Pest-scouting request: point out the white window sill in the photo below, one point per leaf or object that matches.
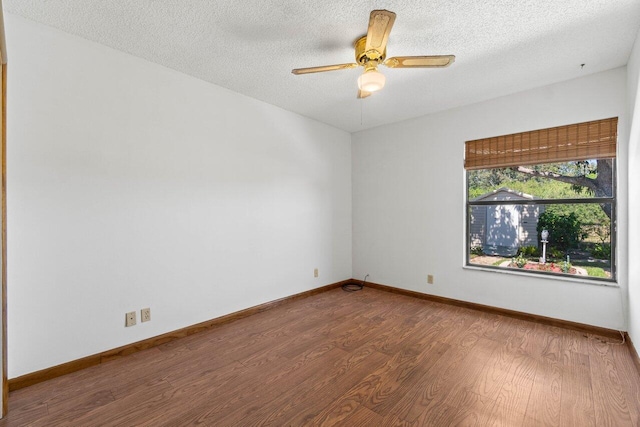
(595, 282)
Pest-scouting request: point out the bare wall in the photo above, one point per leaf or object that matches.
(409, 206)
(633, 72)
(132, 186)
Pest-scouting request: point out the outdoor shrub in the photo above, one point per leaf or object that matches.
(477, 250)
(601, 251)
(565, 231)
(554, 253)
(520, 261)
(529, 251)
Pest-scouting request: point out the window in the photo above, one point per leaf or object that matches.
(544, 201)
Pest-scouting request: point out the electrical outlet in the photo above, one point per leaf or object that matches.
(130, 319)
(315, 272)
(145, 314)
(430, 279)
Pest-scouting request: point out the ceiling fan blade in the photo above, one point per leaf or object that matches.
(363, 93)
(323, 68)
(380, 24)
(434, 61)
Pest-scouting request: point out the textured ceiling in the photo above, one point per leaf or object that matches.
(501, 46)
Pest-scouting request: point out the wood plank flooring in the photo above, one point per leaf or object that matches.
(368, 358)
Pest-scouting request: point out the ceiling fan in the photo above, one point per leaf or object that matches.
(371, 51)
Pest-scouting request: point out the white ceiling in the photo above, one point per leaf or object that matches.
(501, 46)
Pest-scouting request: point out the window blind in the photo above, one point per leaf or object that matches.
(582, 141)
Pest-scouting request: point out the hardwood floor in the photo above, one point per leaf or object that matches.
(369, 358)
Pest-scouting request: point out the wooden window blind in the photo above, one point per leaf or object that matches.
(581, 141)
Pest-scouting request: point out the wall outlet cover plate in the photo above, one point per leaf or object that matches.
(130, 319)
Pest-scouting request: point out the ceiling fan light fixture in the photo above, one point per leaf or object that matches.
(371, 80)
(371, 51)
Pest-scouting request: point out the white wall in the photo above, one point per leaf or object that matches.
(409, 207)
(132, 186)
(633, 73)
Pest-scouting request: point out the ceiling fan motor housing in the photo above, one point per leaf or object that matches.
(362, 56)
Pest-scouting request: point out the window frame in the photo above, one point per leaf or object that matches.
(533, 202)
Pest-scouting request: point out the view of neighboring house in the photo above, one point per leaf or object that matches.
(503, 229)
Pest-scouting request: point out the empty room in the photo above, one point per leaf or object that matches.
(284, 213)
